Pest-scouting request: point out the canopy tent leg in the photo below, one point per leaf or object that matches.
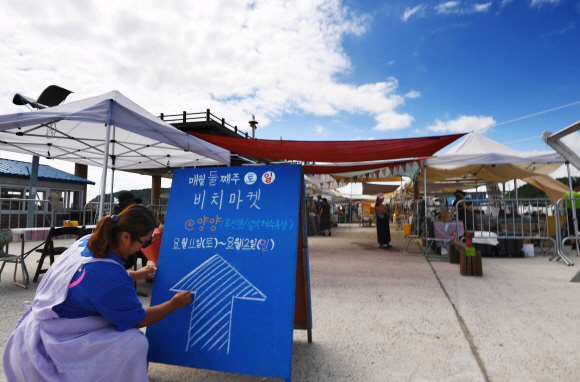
(416, 200)
(112, 201)
(104, 176)
(573, 205)
(425, 193)
(350, 207)
(516, 191)
(32, 192)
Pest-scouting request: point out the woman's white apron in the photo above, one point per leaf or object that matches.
(44, 347)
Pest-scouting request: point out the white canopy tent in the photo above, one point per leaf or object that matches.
(478, 158)
(107, 126)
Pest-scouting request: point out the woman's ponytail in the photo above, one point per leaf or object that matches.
(102, 240)
(137, 220)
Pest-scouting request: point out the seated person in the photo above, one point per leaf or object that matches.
(82, 324)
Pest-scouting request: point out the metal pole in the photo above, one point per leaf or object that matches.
(425, 192)
(573, 206)
(349, 206)
(104, 176)
(473, 218)
(112, 173)
(111, 201)
(32, 191)
(516, 191)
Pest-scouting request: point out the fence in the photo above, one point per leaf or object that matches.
(570, 222)
(503, 220)
(91, 212)
(14, 213)
(206, 116)
(540, 221)
(92, 209)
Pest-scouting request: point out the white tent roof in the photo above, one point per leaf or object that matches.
(76, 132)
(477, 149)
(480, 158)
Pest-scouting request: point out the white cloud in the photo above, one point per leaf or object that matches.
(463, 124)
(562, 172)
(319, 129)
(447, 7)
(265, 58)
(392, 121)
(573, 141)
(413, 94)
(565, 29)
(418, 10)
(482, 7)
(457, 8)
(539, 3)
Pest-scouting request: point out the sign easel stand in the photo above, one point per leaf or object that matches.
(302, 309)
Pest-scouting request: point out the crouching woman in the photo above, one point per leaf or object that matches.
(82, 324)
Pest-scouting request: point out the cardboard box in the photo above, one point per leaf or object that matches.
(527, 229)
(552, 225)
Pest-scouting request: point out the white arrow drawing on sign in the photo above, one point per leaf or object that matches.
(214, 284)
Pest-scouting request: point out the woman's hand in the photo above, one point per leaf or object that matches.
(142, 274)
(156, 313)
(181, 299)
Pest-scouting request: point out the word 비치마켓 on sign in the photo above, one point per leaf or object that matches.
(231, 198)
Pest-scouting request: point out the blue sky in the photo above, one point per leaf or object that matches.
(312, 69)
(503, 62)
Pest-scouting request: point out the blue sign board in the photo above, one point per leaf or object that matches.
(231, 238)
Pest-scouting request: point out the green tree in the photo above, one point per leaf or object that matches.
(144, 194)
(529, 191)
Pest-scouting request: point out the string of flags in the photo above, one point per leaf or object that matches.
(409, 169)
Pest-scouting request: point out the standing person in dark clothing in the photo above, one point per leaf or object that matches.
(464, 210)
(325, 217)
(319, 204)
(383, 217)
(126, 199)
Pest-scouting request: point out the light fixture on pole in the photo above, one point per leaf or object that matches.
(253, 124)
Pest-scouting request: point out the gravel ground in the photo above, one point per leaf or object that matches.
(380, 315)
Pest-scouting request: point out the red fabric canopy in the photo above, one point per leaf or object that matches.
(337, 169)
(333, 151)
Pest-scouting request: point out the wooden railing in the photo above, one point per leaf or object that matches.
(199, 117)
